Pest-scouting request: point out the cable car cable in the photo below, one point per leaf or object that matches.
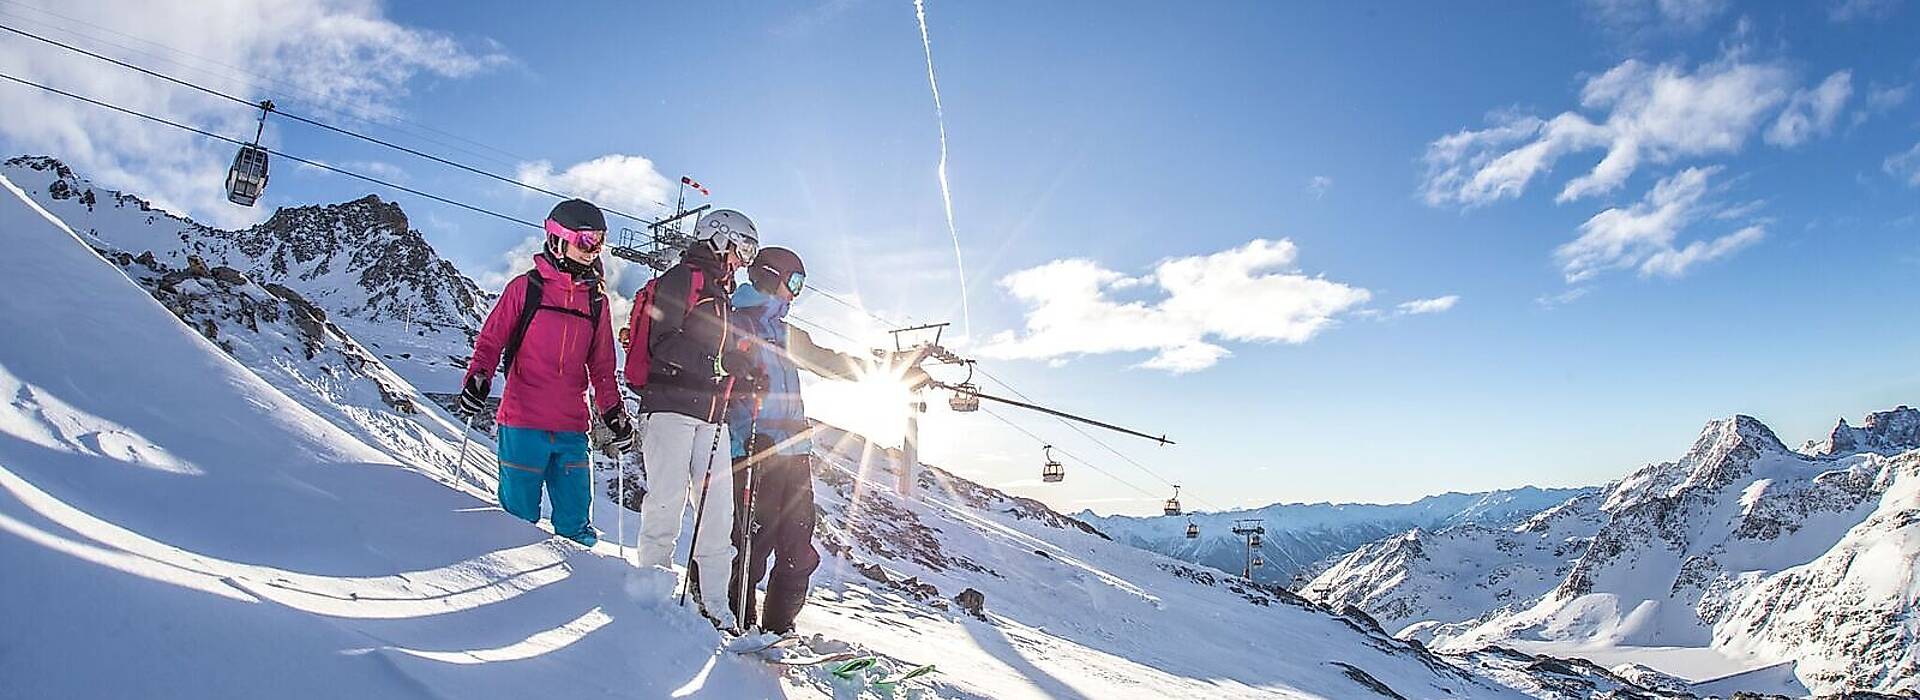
(258, 82)
(283, 154)
(1069, 455)
(305, 120)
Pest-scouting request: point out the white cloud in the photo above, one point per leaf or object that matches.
(1319, 185)
(1553, 301)
(1674, 263)
(1881, 99)
(1653, 114)
(1905, 165)
(1251, 293)
(624, 182)
(1850, 10)
(1812, 112)
(1643, 235)
(1629, 15)
(1428, 306)
(330, 55)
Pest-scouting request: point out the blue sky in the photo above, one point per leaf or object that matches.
(1210, 215)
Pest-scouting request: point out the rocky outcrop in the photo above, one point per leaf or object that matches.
(1884, 432)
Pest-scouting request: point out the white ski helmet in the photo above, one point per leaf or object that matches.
(726, 229)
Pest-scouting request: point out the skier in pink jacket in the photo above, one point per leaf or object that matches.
(553, 335)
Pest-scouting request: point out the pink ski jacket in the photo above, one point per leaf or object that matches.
(560, 353)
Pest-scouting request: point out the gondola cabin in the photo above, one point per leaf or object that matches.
(247, 179)
(1052, 471)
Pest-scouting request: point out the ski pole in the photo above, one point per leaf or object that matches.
(460, 463)
(742, 562)
(706, 481)
(620, 502)
(699, 514)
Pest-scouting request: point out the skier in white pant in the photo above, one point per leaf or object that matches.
(678, 364)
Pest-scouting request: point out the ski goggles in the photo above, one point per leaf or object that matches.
(587, 240)
(745, 247)
(796, 282)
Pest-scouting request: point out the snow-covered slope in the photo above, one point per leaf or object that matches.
(1740, 556)
(1420, 579)
(205, 490)
(175, 526)
(357, 261)
(1303, 538)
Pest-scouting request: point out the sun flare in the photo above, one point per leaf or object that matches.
(874, 406)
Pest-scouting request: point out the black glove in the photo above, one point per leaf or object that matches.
(736, 364)
(619, 426)
(754, 382)
(473, 397)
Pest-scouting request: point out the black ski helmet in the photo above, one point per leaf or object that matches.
(773, 267)
(574, 215)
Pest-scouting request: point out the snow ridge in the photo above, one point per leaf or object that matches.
(1741, 548)
(1303, 539)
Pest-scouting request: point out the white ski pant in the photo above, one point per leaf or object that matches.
(679, 452)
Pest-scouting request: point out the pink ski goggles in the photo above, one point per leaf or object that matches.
(587, 240)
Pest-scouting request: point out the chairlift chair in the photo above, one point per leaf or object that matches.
(1173, 504)
(1052, 471)
(966, 394)
(247, 179)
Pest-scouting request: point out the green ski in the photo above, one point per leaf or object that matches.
(893, 681)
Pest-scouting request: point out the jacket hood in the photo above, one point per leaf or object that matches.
(750, 297)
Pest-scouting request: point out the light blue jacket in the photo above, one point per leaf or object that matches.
(780, 415)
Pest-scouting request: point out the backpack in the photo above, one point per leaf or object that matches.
(640, 327)
(596, 301)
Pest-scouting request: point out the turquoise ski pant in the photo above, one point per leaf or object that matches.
(530, 459)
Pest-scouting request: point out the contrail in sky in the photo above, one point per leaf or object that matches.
(946, 194)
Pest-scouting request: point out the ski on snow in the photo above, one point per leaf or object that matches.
(756, 643)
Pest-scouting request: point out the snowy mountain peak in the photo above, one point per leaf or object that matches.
(369, 239)
(1723, 454)
(1796, 567)
(359, 261)
(1738, 431)
(1884, 432)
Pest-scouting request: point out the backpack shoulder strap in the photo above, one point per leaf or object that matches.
(596, 303)
(535, 291)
